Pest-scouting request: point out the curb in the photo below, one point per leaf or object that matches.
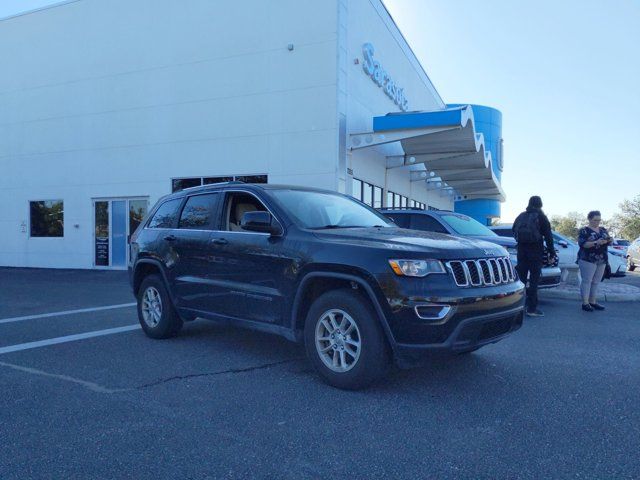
(575, 295)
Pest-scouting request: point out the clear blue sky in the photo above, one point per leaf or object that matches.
(565, 74)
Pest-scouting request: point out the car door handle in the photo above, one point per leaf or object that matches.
(219, 241)
(170, 238)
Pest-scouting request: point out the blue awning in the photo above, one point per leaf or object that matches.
(446, 142)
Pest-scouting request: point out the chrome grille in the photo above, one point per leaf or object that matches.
(482, 272)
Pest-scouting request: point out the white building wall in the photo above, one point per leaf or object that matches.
(110, 99)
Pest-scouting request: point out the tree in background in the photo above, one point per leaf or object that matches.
(628, 220)
(568, 225)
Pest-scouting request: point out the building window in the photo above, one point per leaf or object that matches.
(377, 197)
(356, 189)
(367, 193)
(251, 178)
(395, 200)
(46, 218)
(182, 183)
(211, 180)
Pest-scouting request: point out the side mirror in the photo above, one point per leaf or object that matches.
(563, 244)
(260, 222)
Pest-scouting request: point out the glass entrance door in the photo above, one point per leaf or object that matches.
(115, 221)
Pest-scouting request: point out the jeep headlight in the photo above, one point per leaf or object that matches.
(416, 268)
(512, 250)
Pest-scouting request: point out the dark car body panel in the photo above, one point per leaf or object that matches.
(259, 280)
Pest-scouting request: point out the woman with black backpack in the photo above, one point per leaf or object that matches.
(592, 259)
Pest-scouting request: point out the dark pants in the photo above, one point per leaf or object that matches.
(529, 267)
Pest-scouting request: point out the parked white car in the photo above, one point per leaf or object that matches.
(633, 255)
(621, 245)
(618, 262)
(567, 251)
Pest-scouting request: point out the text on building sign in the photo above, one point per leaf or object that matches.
(380, 76)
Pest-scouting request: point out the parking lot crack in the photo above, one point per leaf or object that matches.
(94, 387)
(216, 373)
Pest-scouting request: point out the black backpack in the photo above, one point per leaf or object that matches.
(527, 228)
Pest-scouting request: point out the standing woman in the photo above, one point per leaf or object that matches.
(592, 259)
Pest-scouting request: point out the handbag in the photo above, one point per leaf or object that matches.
(607, 272)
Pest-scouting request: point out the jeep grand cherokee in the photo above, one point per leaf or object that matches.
(321, 268)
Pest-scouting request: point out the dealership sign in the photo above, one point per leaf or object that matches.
(381, 77)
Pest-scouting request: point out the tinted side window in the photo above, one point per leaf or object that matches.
(198, 211)
(236, 206)
(427, 224)
(400, 220)
(166, 215)
(506, 232)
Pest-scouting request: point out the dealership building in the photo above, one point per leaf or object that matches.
(107, 106)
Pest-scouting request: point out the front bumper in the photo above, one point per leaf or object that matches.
(470, 334)
(474, 317)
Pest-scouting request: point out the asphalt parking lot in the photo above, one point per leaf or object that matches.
(87, 395)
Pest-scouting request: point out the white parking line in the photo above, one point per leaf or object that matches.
(68, 338)
(68, 312)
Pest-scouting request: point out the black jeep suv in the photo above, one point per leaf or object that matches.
(321, 268)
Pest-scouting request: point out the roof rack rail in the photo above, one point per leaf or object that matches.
(403, 208)
(232, 182)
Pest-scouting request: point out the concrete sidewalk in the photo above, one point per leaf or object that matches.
(609, 291)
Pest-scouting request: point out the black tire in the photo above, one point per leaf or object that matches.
(631, 266)
(169, 323)
(374, 353)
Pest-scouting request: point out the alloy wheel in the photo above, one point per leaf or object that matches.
(151, 307)
(338, 340)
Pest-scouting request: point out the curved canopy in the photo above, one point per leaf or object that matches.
(446, 142)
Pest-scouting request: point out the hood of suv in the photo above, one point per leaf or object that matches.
(433, 245)
(506, 242)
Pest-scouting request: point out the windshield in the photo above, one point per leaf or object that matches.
(463, 225)
(623, 243)
(319, 210)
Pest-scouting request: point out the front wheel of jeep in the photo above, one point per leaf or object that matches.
(344, 340)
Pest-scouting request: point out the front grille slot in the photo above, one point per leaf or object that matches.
(474, 273)
(503, 270)
(459, 273)
(486, 271)
(495, 269)
(483, 272)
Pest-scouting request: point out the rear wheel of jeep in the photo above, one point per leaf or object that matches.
(344, 340)
(630, 266)
(156, 314)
